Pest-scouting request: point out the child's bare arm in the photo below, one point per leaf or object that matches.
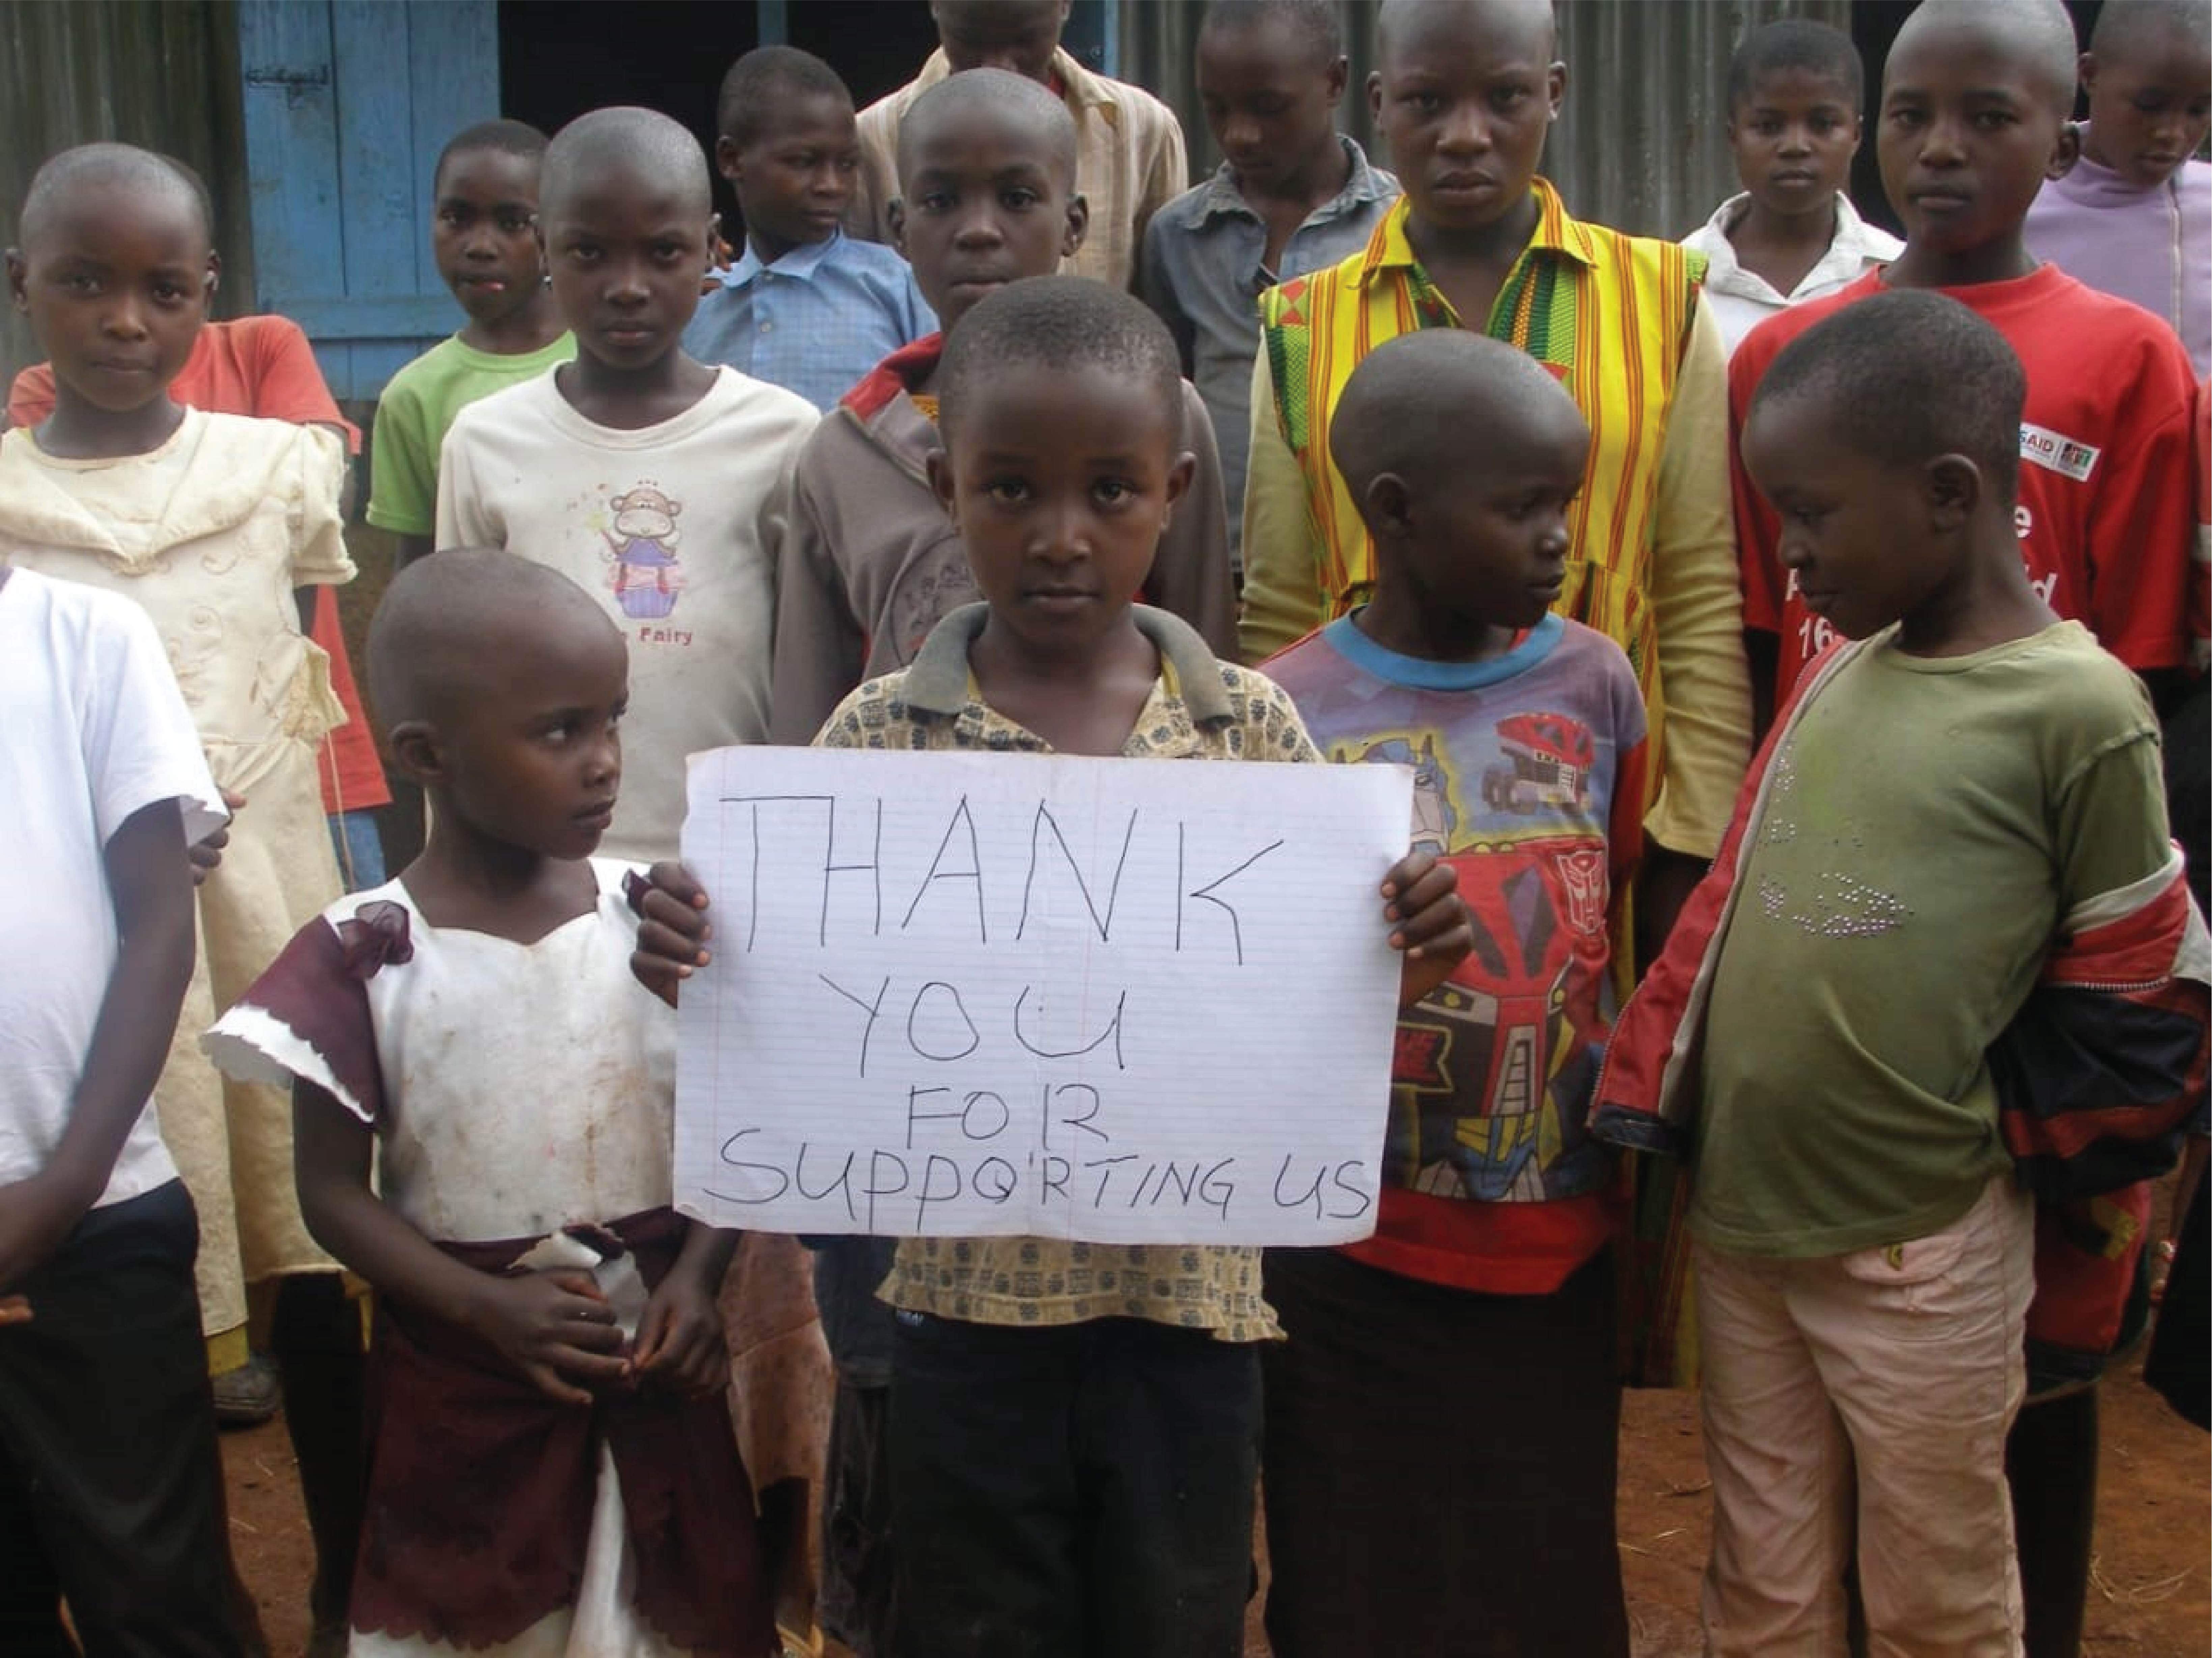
(151, 888)
(554, 1328)
(1428, 922)
(671, 930)
(679, 1340)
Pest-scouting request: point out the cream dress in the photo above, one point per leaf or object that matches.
(210, 533)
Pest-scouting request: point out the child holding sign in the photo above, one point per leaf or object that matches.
(1485, 1298)
(1073, 1426)
(547, 1333)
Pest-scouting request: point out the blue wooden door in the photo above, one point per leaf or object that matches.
(348, 103)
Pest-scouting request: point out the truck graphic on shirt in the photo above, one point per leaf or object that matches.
(1547, 763)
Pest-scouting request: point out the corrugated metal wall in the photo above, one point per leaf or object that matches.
(161, 73)
(1639, 144)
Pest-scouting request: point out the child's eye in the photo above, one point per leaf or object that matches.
(1990, 120)
(933, 201)
(513, 224)
(1006, 492)
(1112, 492)
(81, 281)
(1426, 103)
(1509, 97)
(1019, 199)
(453, 217)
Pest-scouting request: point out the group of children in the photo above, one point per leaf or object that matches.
(1548, 512)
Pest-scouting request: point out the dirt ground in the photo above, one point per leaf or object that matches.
(2150, 1594)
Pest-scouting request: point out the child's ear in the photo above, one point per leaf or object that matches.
(1954, 485)
(1389, 504)
(2065, 152)
(18, 274)
(214, 275)
(1078, 226)
(1340, 77)
(727, 161)
(415, 746)
(939, 466)
(2085, 71)
(1375, 98)
(1180, 477)
(895, 213)
(1555, 88)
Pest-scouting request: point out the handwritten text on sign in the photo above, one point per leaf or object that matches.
(1120, 1000)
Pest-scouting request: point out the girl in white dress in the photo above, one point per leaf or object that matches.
(553, 1468)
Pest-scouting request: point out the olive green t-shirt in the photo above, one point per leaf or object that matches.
(1930, 822)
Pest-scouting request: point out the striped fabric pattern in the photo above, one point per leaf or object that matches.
(1609, 314)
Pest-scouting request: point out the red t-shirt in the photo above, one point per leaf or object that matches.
(2107, 513)
(264, 366)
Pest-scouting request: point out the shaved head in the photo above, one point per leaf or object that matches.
(452, 624)
(1003, 100)
(2143, 29)
(109, 167)
(2037, 34)
(642, 142)
(1402, 24)
(1409, 408)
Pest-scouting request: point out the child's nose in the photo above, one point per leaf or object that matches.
(1465, 129)
(1944, 143)
(979, 228)
(125, 318)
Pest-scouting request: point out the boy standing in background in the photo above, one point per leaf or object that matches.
(484, 237)
(805, 306)
(988, 168)
(1464, 93)
(1291, 195)
(1130, 160)
(1794, 90)
(651, 479)
(2133, 216)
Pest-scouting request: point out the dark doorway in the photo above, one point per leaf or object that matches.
(559, 58)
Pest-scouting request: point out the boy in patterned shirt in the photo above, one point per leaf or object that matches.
(1074, 1427)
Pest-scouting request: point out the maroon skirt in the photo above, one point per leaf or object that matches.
(480, 1487)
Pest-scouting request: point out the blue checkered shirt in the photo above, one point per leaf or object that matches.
(815, 321)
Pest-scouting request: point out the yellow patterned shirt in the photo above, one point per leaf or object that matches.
(1653, 561)
(1199, 709)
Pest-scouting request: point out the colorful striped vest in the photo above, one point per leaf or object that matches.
(1608, 314)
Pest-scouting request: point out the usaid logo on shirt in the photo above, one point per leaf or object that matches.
(2056, 453)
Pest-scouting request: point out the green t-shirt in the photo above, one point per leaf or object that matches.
(1928, 823)
(418, 404)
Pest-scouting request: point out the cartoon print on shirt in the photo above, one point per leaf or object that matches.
(641, 547)
(1436, 817)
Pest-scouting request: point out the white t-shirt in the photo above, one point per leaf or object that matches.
(676, 528)
(95, 730)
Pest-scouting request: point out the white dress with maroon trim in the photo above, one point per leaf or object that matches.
(514, 1089)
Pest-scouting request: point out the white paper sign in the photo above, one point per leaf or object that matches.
(967, 994)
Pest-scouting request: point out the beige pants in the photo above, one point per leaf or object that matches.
(1887, 1379)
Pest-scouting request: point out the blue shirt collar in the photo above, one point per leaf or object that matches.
(1417, 673)
(800, 263)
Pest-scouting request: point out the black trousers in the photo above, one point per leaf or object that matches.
(1441, 1466)
(1071, 1490)
(109, 1477)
